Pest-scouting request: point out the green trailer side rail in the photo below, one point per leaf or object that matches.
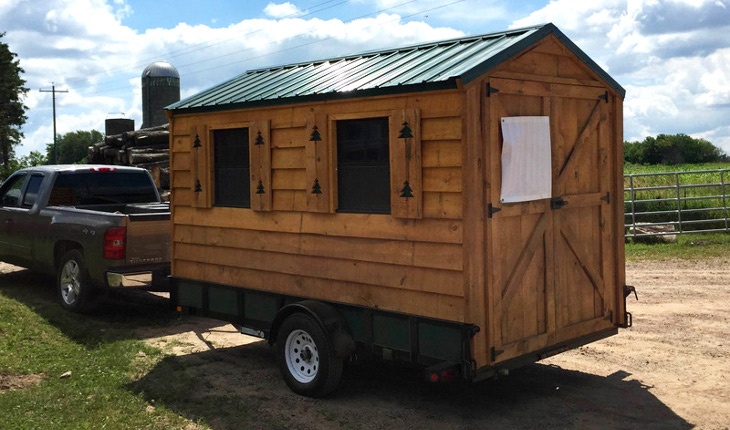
(378, 334)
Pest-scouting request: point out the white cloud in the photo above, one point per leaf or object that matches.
(282, 10)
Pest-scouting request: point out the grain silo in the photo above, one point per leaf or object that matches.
(160, 87)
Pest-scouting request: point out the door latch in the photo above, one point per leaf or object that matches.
(557, 203)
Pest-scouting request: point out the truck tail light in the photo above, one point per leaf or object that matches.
(115, 243)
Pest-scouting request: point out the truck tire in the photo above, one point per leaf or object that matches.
(307, 358)
(73, 283)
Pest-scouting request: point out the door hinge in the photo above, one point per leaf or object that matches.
(491, 210)
(491, 90)
(495, 353)
(607, 197)
(604, 96)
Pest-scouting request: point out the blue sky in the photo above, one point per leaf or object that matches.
(672, 56)
(157, 14)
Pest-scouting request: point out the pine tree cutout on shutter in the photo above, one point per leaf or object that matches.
(317, 163)
(260, 165)
(405, 168)
(316, 189)
(200, 166)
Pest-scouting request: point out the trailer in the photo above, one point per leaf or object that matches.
(456, 205)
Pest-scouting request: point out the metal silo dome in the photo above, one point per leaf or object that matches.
(160, 69)
(160, 87)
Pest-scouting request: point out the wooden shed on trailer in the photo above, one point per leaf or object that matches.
(455, 203)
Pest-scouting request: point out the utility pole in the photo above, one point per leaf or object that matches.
(54, 91)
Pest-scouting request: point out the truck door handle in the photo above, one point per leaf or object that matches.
(557, 203)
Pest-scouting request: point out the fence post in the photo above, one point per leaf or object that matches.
(724, 197)
(633, 208)
(679, 203)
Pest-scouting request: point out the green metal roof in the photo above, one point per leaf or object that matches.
(430, 66)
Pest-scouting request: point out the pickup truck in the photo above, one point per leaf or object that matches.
(95, 227)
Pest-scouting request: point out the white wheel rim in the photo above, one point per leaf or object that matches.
(70, 282)
(302, 356)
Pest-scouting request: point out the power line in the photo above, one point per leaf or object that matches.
(199, 46)
(285, 39)
(106, 90)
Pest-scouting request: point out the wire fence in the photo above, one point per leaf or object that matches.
(661, 204)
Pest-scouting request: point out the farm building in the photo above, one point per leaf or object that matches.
(458, 202)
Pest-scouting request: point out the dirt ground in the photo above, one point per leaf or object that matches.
(670, 371)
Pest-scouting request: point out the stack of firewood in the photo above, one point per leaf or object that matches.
(147, 148)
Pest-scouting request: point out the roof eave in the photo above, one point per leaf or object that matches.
(449, 84)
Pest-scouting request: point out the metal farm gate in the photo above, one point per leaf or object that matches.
(660, 204)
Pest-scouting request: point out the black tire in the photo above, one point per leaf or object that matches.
(72, 282)
(306, 356)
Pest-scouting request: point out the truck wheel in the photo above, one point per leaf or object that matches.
(74, 286)
(307, 357)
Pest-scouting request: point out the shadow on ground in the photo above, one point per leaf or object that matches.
(121, 314)
(240, 387)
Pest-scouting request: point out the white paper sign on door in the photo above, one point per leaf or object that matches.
(526, 165)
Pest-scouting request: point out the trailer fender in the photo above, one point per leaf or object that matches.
(328, 317)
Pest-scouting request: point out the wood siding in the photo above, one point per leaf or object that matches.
(410, 261)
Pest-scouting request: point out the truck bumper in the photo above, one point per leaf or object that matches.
(145, 279)
(140, 279)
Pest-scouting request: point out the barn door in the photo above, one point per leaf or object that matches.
(548, 271)
(584, 264)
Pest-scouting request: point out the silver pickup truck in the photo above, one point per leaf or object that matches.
(94, 227)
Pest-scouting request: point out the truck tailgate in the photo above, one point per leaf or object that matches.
(148, 239)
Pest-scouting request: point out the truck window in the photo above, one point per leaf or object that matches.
(10, 191)
(31, 191)
(88, 188)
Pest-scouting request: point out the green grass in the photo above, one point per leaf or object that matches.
(688, 247)
(37, 337)
(662, 168)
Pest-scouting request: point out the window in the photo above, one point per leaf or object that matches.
(232, 171)
(363, 166)
(11, 191)
(91, 188)
(31, 191)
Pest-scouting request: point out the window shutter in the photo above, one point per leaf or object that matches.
(405, 164)
(317, 163)
(201, 177)
(259, 141)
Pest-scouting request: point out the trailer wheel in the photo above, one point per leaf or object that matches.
(73, 283)
(307, 358)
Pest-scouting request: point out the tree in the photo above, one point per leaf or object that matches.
(35, 158)
(672, 149)
(73, 146)
(12, 109)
